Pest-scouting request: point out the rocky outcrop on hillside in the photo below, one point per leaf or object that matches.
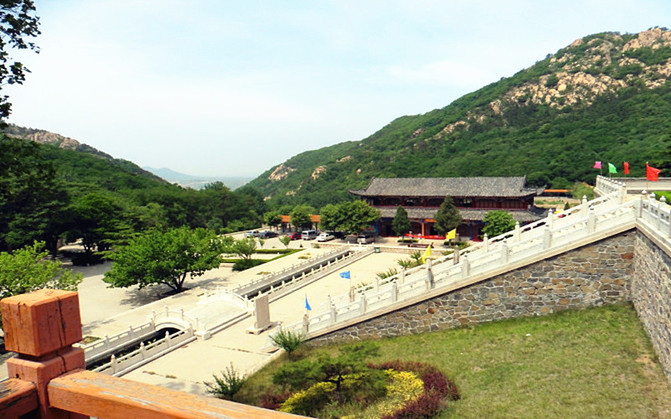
(588, 68)
(280, 173)
(546, 114)
(45, 137)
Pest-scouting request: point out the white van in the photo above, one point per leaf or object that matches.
(309, 234)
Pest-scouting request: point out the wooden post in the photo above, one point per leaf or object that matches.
(41, 327)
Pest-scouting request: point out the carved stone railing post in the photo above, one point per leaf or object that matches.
(485, 243)
(504, 252)
(591, 221)
(465, 267)
(547, 238)
(517, 233)
(429, 274)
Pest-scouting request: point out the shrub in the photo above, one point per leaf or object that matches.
(310, 401)
(243, 264)
(387, 274)
(227, 385)
(288, 340)
(270, 400)
(437, 387)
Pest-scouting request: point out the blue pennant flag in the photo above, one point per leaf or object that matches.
(344, 274)
(307, 305)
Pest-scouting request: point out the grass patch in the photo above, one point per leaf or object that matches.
(241, 264)
(660, 194)
(586, 363)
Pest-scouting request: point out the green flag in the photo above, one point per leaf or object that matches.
(611, 168)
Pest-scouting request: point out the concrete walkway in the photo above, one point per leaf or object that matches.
(186, 368)
(112, 310)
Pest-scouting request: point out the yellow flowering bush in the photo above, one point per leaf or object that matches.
(308, 401)
(403, 386)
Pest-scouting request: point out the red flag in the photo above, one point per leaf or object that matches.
(651, 173)
(626, 168)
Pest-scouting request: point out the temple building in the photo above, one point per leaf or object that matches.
(473, 196)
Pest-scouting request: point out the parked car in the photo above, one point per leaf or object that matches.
(267, 234)
(365, 238)
(324, 237)
(351, 238)
(337, 234)
(309, 234)
(294, 236)
(253, 233)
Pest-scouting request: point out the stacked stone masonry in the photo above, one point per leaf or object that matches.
(592, 275)
(651, 295)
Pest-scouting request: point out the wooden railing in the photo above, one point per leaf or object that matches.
(49, 380)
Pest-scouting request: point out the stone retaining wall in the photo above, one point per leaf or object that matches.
(592, 275)
(651, 295)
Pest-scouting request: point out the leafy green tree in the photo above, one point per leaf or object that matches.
(245, 248)
(401, 223)
(272, 218)
(95, 218)
(330, 217)
(300, 217)
(32, 201)
(357, 216)
(448, 217)
(158, 257)
(498, 222)
(17, 24)
(29, 269)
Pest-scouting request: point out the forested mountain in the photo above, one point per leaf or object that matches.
(48, 192)
(604, 97)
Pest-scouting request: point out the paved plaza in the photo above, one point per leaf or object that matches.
(107, 311)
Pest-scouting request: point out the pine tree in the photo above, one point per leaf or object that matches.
(448, 217)
(401, 223)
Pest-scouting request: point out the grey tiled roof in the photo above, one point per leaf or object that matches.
(466, 213)
(453, 186)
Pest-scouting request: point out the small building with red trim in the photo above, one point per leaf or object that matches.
(473, 196)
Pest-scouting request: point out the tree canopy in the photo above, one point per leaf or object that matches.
(18, 23)
(498, 222)
(401, 223)
(32, 201)
(300, 216)
(158, 257)
(29, 269)
(349, 217)
(448, 217)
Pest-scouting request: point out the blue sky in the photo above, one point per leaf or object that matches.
(232, 88)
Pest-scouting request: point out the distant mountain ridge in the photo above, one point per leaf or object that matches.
(604, 97)
(196, 182)
(41, 136)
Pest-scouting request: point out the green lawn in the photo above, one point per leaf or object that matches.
(575, 364)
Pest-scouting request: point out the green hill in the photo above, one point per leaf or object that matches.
(53, 187)
(604, 97)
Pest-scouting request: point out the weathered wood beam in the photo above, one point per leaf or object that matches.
(94, 394)
(17, 398)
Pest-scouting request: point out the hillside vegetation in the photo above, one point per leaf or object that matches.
(604, 97)
(49, 192)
